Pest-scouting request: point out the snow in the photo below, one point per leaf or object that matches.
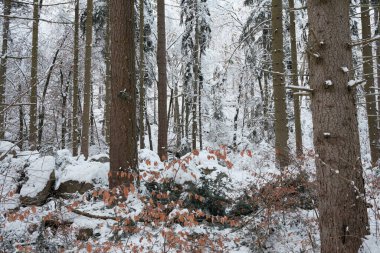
(86, 172)
(38, 175)
(6, 146)
(345, 69)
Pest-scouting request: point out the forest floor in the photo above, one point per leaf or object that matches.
(207, 201)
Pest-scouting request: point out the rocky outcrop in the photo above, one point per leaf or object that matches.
(40, 181)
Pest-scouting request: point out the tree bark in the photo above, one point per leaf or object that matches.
(20, 122)
(75, 126)
(368, 76)
(196, 53)
(87, 83)
(34, 80)
(200, 88)
(3, 63)
(64, 94)
(107, 106)
(42, 110)
(123, 125)
(296, 100)
(281, 121)
(343, 216)
(142, 76)
(177, 120)
(162, 82)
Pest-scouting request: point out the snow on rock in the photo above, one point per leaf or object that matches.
(6, 145)
(41, 178)
(101, 158)
(82, 176)
(329, 83)
(345, 69)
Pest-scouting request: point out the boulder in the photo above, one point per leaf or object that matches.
(40, 181)
(73, 186)
(81, 177)
(102, 158)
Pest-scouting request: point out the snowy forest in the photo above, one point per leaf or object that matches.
(190, 126)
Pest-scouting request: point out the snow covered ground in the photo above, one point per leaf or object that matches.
(207, 201)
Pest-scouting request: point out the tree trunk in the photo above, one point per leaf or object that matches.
(92, 118)
(281, 121)
(343, 216)
(64, 94)
(296, 101)
(148, 128)
(107, 106)
(34, 80)
(21, 121)
(42, 110)
(123, 125)
(87, 83)
(177, 121)
(75, 127)
(194, 93)
(200, 105)
(377, 60)
(162, 80)
(237, 110)
(3, 63)
(142, 76)
(368, 76)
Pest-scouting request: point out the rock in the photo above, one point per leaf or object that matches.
(9, 148)
(41, 178)
(84, 234)
(102, 158)
(81, 177)
(72, 186)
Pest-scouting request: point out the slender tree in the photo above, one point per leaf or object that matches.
(123, 125)
(87, 82)
(368, 76)
(343, 219)
(3, 63)
(34, 79)
(75, 98)
(281, 121)
(142, 76)
(107, 56)
(296, 100)
(196, 55)
(162, 82)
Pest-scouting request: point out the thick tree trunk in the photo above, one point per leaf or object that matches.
(3, 63)
(296, 100)
(281, 121)
(142, 76)
(162, 80)
(342, 210)
(75, 127)
(123, 127)
(34, 80)
(87, 83)
(368, 76)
